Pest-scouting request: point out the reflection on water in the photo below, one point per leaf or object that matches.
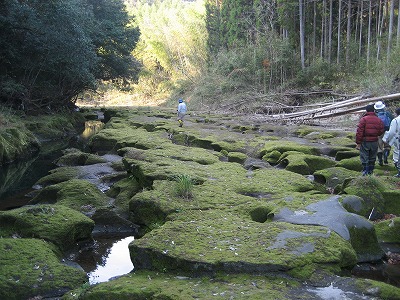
(108, 259)
(17, 178)
(91, 128)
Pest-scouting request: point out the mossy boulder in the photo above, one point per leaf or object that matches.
(57, 175)
(304, 164)
(122, 191)
(334, 176)
(237, 157)
(388, 231)
(75, 157)
(121, 136)
(77, 194)
(370, 189)
(330, 213)
(60, 225)
(216, 241)
(353, 164)
(30, 268)
(285, 146)
(345, 154)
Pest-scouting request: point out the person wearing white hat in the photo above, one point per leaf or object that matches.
(392, 137)
(386, 117)
(182, 109)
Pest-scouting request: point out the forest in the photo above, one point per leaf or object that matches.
(212, 52)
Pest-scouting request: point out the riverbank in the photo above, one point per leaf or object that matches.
(273, 210)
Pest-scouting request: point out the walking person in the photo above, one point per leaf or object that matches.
(181, 111)
(386, 117)
(369, 128)
(392, 138)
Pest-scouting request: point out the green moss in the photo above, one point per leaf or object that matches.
(302, 163)
(16, 142)
(388, 231)
(272, 157)
(58, 175)
(47, 222)
(122, 191)
(237, 157)
(365, 243)
(379, 289)
(331, 177)
(75, 157)
(224, 242)
(55, 126)
(284, 146)
(77, 194)
(353, 163)
(369, 188)
(144, 285)
(30, 268)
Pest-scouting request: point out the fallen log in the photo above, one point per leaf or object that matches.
(339, 108)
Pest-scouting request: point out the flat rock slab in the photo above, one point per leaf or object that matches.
(214, 241)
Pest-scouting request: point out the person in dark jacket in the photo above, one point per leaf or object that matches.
(369, 129)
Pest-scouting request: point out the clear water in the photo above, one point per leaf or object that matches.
(107, 259)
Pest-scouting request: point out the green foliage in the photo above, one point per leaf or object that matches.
(53, 50)
(184, 186)
(172, 44)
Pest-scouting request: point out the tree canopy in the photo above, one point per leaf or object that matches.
(53, 50)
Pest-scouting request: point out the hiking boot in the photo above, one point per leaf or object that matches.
(385, 156)
(380, 162)
(397, 175)
(370, 170)
(365, 171)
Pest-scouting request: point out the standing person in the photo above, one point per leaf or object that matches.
(369, 129)
(181, 111)
(386, 117)
(392, 138)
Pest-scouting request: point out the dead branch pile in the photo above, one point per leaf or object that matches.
(328, 110)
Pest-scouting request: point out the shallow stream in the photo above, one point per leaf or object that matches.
(108, 257)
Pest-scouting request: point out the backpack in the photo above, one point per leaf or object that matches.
(383, 115)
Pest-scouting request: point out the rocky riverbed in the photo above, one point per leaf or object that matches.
(272, 211)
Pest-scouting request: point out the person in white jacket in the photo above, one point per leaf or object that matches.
(392, 138)
(181, 111)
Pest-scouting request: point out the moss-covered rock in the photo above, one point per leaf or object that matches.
(220, 241)
(353, 163)
(145, 284)
(330, 213)
(57, 175)
(285, 146)
(60, 225)
(369, 188)
(30, 268)
(75, 157)
(237, 157)
(304, 164)
(77, 194)
(388, 231)
(332, 177)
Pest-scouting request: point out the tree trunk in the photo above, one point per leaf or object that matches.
(339, 33)
(361, 29)
(391, 17)
(398, 25)
(369, 31)
(348, 31)
(301, 17)
(330, 30)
